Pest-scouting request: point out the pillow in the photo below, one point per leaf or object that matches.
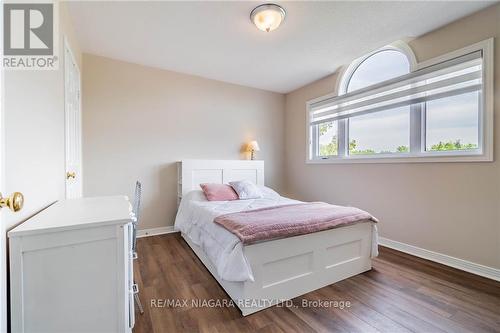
(196, 195)
(219, 192)
(246, 189)
(269, 193)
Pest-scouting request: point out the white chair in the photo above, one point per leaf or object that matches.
(135, 209)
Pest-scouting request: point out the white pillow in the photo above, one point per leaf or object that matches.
(246, 189)
(269, 193)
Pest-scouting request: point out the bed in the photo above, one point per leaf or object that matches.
(264, 274)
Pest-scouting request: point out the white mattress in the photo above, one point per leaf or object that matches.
(224, 249)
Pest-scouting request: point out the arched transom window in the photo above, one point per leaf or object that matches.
(387, 108)
(386, 131)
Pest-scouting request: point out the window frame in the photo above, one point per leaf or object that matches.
(418, 152)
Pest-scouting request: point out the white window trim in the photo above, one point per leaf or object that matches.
(486, 116)
(346, 73)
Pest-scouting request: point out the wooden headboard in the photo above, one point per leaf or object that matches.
(191, 173)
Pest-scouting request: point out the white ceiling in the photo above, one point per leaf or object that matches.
(216, 40)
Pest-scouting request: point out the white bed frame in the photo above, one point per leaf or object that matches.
(283, 268)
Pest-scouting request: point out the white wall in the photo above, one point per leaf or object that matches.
(449, 208)
(138, 121)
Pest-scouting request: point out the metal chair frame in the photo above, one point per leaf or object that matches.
(135, 209)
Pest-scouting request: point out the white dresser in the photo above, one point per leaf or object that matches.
(71, 268)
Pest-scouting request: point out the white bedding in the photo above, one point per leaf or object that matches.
(224, 249)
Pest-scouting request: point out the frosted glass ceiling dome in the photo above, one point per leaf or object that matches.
(268, 17)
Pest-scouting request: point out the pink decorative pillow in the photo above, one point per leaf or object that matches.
(219, 192)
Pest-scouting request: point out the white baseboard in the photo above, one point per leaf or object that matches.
(464, 265)
(155, 231)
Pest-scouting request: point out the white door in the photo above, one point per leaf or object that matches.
(9, 204)
(73, 125)
(32, 149)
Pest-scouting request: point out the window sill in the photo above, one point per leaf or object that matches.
(427, 158)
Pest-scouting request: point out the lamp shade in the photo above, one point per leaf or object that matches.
(253, 146)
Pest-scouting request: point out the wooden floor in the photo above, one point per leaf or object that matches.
(401, 294)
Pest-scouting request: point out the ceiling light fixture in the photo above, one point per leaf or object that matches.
(267, 17)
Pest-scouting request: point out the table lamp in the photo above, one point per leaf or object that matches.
(253, 146)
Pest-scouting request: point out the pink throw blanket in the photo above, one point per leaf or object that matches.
(289, 220)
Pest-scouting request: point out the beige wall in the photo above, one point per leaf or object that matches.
(137, 121)
(451, 208)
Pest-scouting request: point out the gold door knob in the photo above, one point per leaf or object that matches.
(15, 202)
(70, 175)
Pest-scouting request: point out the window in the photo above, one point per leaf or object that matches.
(391, 109)
(453, 123)
(327, 137)
(387, 131)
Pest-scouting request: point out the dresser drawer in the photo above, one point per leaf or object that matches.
(74, 275)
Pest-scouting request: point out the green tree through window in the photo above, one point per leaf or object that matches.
(330, 148)
(452, 145)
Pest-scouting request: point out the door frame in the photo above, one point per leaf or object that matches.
(3, 230)
(67, 47)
